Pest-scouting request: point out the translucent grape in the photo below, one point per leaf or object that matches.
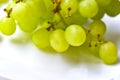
(19, 11)
(26, 21)
(69, 6)
(94, 46)
(41, 38)
(38, 7)
(28, 25)
(7, 26)
(75, 35)
(108, 53)
(88, 8)
(60, 25)
(48, 14)
(97, 28)
(104, 3)
(57, 41)
(77, 19)
(56, 18)
(113, 9)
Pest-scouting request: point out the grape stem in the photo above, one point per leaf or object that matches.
(51, 26)
(19, 1)
(8, 12)
(56, 9)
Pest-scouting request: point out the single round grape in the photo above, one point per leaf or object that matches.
(41, 38)
(26, 21)
(104, 3)
(88, 8)
(108, 53)
(97, 28)
(69, 6)
(57, 41)
(38, 7)
(7, 26)
(19, 11)
(113, 9)
(75, 35)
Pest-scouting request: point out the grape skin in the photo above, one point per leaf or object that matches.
(113, 9)
(88, 8)
(75, 35)
(25, 20)
(57, 41)
(7, 26)
(69, 6)
(104, 3)
(97, 28)
(108, 53)
(41, 38)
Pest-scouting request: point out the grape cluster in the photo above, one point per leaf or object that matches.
(60, 24)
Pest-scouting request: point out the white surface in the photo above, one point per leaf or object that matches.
(26, 62)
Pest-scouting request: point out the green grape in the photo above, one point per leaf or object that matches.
(76, 19)
(97, 28)
(69, 6)
(3, 1)
(38, 8)
(7, 26)
(104, 3)
(57, 41)
(113, 9)
(94, 45)
(75, 35)
(49, 10)
(88, 8)
(100, 14)
(26, 21)
(20, 10)
(56, 18)
(28, 24)
(41, 10)
(60, 25)
(41, 38)
(108, 53)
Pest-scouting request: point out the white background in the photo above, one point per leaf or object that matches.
(25, 62)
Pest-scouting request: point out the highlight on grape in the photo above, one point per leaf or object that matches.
(60, 24)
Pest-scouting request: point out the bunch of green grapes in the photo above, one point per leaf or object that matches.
(60, 24)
